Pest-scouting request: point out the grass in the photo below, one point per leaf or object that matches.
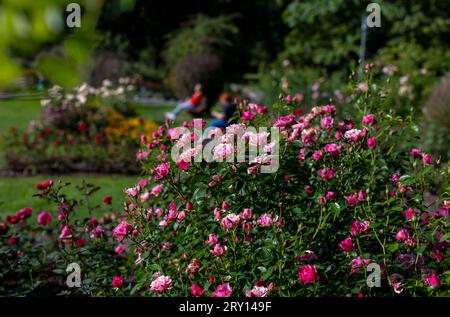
(17, 192)
(18, 113)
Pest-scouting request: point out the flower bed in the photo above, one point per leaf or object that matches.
(86, 130)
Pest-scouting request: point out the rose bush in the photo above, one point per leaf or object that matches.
(345, 202)
(37, 246)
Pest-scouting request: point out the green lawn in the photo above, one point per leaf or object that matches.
(18, 113)
(17, 192)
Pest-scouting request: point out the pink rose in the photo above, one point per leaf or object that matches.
(223, 290)
(358, 227)
(265, 221)
(132, 192)
(117, 281)
(122, 229)
(426, 158)
(351, 200)
(258, 291)
(161, 284)
(157, 190)
(397, 282)
(372, 143)
(162, 170)
(212, 239)
(230, 221)
(327, 123)
(409, 213)
(317, 155)
(247, 214)
(431, 279)
(222, 151)
(196, 290)
(44, 218)
(66, 234)
(121, 247)
(354, 135)
(415, 152)
(333, 149)
(247, 116)
(402, 235)
(307, 274)
(369, 119)
(308, 256)
(326, 173)
(218, 250)
(347, 244)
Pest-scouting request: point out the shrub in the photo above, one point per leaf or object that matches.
(345, 201)
(37, 246)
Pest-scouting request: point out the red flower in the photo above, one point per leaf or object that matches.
(307, 274)
(44, 185)
(117, 281)
(107, 200)
(196, 290)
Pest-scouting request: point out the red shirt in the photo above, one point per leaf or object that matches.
(195, 99)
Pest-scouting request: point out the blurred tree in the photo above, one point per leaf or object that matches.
(31, 28)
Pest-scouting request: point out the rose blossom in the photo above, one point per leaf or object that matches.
(44, 218)
(358, 227)
(162, 170)
(265, 221)
(230, 221)
(357, 263)
(317, 155)
(66, 234)
(333, 149)
(372, 143)
(402, 235)
(157, 190)
(426, 158)
(246, 214)
(307, 274)
(122, 230)
(196, 290)
(326, 173)
(107, 200)
(223, 290)
(416, 152)
(222, 151)
(121, 247)
(347, 244)
(160, 284)
(212, 239)
(44, 185)
(354, 135)
(258, 291)
(117, 281)
(431, 279)
(218, 250)
(327, 123)
(369, 119)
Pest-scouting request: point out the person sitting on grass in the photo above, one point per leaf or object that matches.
(188, 105)
(221, 119)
